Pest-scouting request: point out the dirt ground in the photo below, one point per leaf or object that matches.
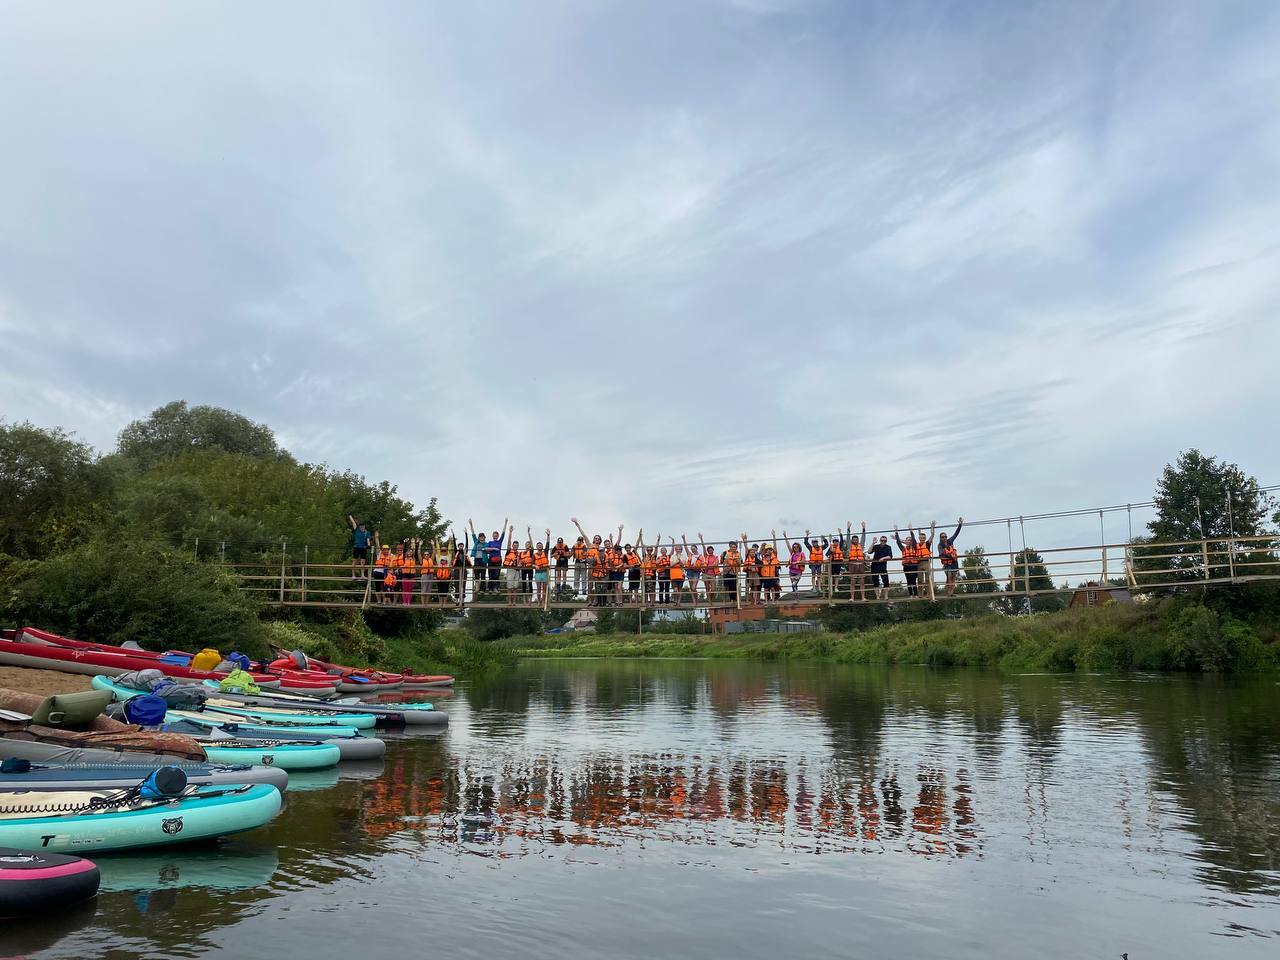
(43, 682)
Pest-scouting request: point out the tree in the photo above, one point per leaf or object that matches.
(49, 487)
(1199, 497)
(1030, 575)
(176, 428)
(976, 570)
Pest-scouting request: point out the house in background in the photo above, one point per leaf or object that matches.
(1095, 595)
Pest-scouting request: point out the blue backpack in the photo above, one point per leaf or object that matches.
(146, 710)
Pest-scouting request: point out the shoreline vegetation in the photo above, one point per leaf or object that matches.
(1174, 634)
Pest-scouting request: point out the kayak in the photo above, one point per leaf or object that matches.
(265, 715)
(285, 754)
(348, 679)
(426, 682)
(42, 650)
(212, 720)
(384, 714)
(108, 820)
(36, 883)
(121, 776)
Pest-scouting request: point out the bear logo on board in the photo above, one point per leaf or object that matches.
(268, 759)
(172, 826)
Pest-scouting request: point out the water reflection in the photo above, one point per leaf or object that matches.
(1155, 798)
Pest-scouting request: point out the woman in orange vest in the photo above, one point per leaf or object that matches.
(677, 572)
(541, 571)
(407, 572)
(817, 555)
(426, 571)
(560, 561)
(950, 558)
(581, 571)
(692, 567)
(908, 559)
(511, 567)
(730, 564)
(524, 560)
(751, 571)
(631, 562)
(710, 571)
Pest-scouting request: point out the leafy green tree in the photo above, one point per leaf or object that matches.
(50, 488)
(176, 428)
(1030, 574)
(976, 576)
(1199, 497)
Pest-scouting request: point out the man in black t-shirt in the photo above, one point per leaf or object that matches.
(881, 553)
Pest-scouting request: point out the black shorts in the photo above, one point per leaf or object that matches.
(769, 583)
(359, 553)
(615, 576)
(562, 564)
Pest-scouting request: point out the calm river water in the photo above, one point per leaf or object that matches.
(691, 809)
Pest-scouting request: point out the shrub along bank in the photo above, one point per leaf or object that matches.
(1176, 634)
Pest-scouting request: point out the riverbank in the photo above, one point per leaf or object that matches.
(1160, 635)
(42, 682)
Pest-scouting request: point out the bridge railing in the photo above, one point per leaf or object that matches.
(1138, 566)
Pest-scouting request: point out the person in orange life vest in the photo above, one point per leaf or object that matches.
(835, 563)
(710, 571)
(541, 569)
(908, 559)
(511, 566)
(730, 565)
(924, 561)
(855, 555)
(677, 572)
(581, 572)
(692, 568)
(524, 559)
(795, 564)
(950, 557)
(597, 578)
(770, 572)
(662, 571)
(458, 584)
(426, 570)
(381, 564)
(631, 561)
(560, 554)
(751, 571)
(817, 556)
(648, 570)
(408, 572)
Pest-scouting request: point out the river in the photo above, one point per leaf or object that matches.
(670, 808)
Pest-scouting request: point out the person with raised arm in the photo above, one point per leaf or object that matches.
(649, 573)
(730, 564)
(592, 561)
(795, 563)
(908, 551)
(541, 569)
(617, 570)
(677, 572)
(835, 563)
(526, 567)
(751, 571)
(924, 561)
(479, 556)
(769, 570)
(493, 558)
(581, 570)
(710, 571)
(511, 566)
(426, 570)
(881, 553)
(560, 564)
(856, 559)
(692, 568)
(817, 556)
(949, 557)
(631, 558)
(360, 540)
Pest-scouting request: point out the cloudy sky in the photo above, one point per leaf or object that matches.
(699, 264)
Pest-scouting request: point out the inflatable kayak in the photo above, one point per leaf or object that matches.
(110, 820)
(265, 715)
(42, 650)
(36, 883)
(348, 679)
(119, 776)
(211, 720)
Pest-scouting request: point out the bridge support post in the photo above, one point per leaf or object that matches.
(306, 555)
(284, 556)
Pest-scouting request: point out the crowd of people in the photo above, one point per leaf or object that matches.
(606, 571)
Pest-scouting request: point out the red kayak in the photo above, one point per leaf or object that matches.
(41, 650)
(348, 679)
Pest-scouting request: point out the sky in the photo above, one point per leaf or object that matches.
(706, 265)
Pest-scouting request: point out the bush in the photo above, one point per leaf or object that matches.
(282, 635)
(113, 592)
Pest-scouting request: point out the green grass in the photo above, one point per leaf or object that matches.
(1163, 635)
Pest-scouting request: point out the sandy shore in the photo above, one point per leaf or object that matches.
(43, 682)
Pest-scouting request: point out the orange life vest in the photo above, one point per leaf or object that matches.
(560, 551)
(510, 559)
(949, 553)
(909, 554)
(837, 552)
(579, 552)
(815, 554)
(633, 559)
(732, 560)
(428, 567)
(648, 565)
(711, 563)
(855, 551)
(525, 558)
(593, 554)
(769, 566)
(540, 560)
(677, 568)
(922, 551)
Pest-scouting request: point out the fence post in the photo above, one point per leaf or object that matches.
(197, 548)
(222, 552)
(284, 556)
(306, 555)
(1026, 563)
(1231, 543)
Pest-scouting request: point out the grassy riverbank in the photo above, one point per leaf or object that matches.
(1163, 635)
